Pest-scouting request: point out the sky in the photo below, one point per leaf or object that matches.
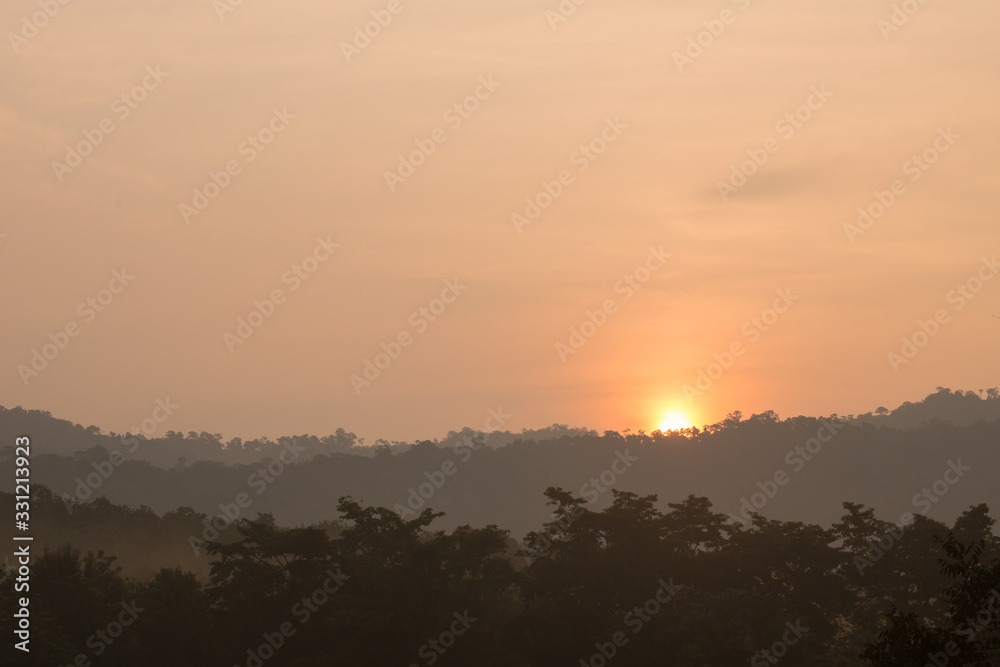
(586, 214)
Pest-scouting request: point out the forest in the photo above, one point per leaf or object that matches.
(686, 587)
(842, 541)
(882, 459)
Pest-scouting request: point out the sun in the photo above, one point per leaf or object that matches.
(675, 420)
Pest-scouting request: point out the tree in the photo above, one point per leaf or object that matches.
(174, 627)
(256, 580)
(971, 635)
(72, 598)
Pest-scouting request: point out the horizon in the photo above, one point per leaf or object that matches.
(498, 416)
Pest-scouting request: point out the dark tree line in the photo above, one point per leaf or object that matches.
(629, 583)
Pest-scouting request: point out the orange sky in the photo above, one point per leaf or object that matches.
(327, 130)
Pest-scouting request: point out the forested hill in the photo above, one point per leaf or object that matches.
(152, 439)
(798, 469)
(944, 405)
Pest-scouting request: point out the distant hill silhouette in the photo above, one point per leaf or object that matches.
(958, 407)
(59, 436)
(869, 460)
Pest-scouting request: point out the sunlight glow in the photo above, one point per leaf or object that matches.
(675, 420)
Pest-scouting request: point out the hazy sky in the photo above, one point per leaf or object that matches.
(535, 91)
